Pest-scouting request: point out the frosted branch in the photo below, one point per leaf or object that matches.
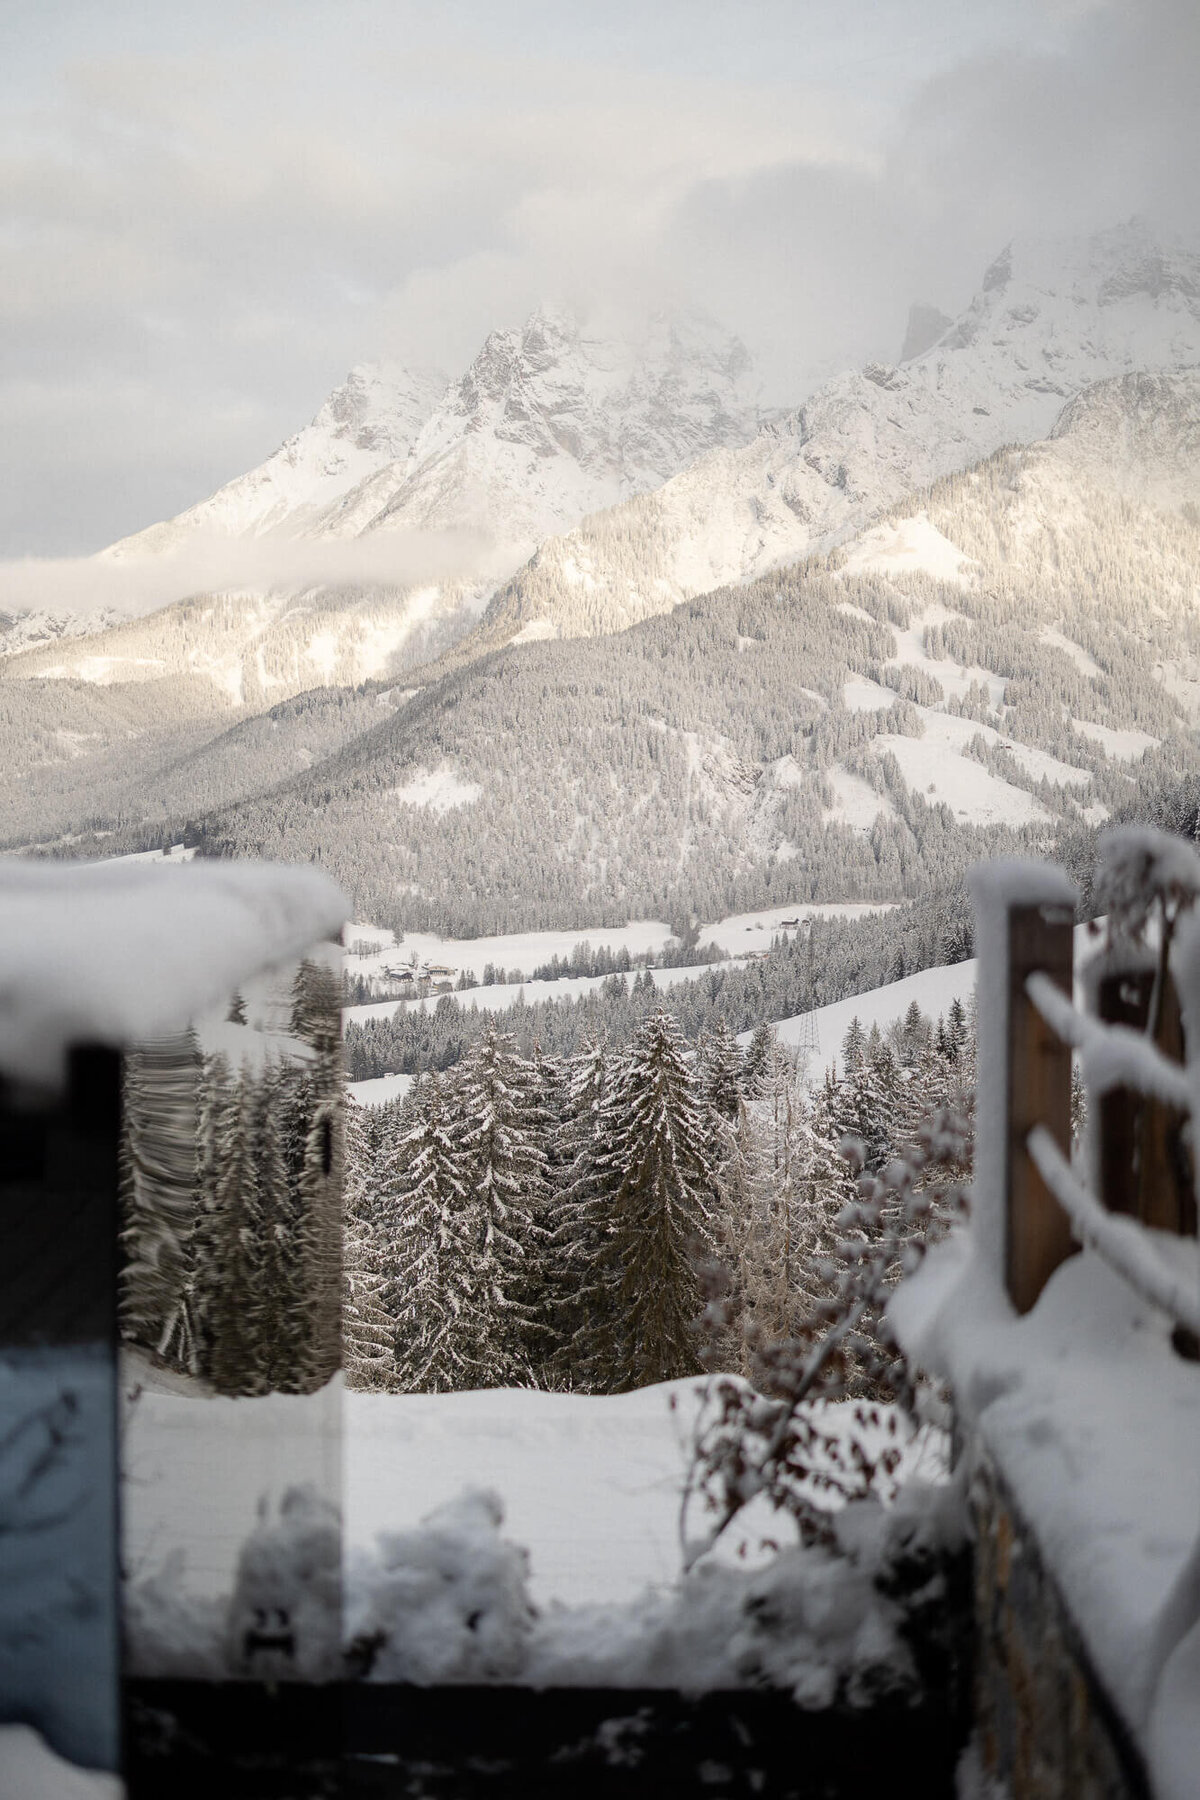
(1122, 1242)
(1113, 1055)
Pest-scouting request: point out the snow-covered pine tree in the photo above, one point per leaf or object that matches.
(158, 1197)
(548, 1116)
(215, 1100)
(320, 1242)
(757, 1054)
(659, 1192)
(368, 1332)
(581, 1222)
(720, 1070)
(235, 1359)
(316, 1021)
(281, 1322)
(745, 1191)
(430, 1252)
(504, 1172)
(795, 1235)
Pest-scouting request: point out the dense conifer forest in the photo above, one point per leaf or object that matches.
(546, 1220)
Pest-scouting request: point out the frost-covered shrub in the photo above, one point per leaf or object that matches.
(282, 1621)
(285, 1614)
(445, 1601)
(764, 1438)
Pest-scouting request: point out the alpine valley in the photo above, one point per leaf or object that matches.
(584, 636)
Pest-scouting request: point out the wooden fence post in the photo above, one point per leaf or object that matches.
(1038, 1234)
(59, 1552)
(1145, 1169)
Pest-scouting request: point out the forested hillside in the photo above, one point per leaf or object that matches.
(1050, 318)
(1016, 649)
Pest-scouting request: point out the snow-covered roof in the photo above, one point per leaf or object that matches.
(117, 952)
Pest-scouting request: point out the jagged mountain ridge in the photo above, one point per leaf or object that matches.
(1050, 318)
(1005, 653)
(549, 422)
(368, 424)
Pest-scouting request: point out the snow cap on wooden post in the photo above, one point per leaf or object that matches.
(1024, 914)
(93, 959)
(119, 953)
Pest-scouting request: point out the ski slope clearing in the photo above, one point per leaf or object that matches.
(1122, 746)
(380, 1091)
(820, 1033)
(855, 802)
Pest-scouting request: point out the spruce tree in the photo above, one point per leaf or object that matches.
(159, 1197)
(581, 1221)
(432, 1292)
(720, 1067)
(281, 1312)
(236, 1363)
(504, 1173)
(368, 1335)
(658, 1189)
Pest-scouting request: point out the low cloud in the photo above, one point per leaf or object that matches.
(200, 232)
(205, 563)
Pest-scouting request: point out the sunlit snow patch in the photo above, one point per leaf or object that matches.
(439, 789)
(855, 802)
(908, 546)
(1122, 746)
(536, 631)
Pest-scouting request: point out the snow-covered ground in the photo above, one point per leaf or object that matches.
(524, 950)
(821, 1032)
(590, 1485)
(529, 950)
(754, 931)
(1122, 746)
(379, 1089)
(1095, 1424)
(502, 995)
(30, 1770)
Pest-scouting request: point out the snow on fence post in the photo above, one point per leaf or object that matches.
(1024, 923)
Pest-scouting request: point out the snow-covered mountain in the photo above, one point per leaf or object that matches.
(308, 570)
(551, 421)
(1050, 318)
(370, 423)
(1011, 652)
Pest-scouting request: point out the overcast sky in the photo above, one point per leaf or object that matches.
(210, 212)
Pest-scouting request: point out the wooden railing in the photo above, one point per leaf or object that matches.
(1037, 1203)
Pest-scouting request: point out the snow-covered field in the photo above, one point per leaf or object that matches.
(821, 1032)
(590, 1485)
(529, 950)
(524, 950)
(501, 995)
(379, 1090)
